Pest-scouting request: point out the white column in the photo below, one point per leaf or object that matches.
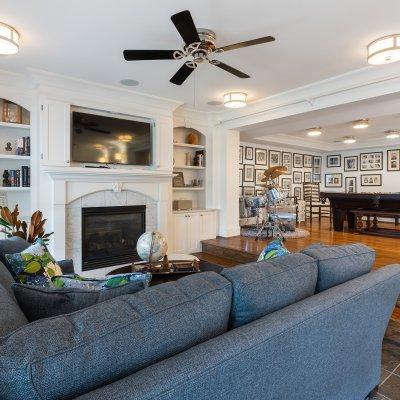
(226, 183)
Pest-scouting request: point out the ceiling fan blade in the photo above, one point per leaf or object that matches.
(231, 70)
(181, 75)
(137, 55)
(183, 22)
(253, 42)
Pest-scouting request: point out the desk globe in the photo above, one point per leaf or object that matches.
(152, 246)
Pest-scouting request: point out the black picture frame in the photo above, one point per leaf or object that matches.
(297, 192)
(288, 164)
(178, 180)
(249, 151)
(368, 156)
(345, 162)
(241, 177)
(299, 158)
(297, 177)
(346, 185)
(379, 176)
(274, 153)
(245, 168)
(250, 189)
(309, 163)
(331, 156)
(261, 151)
(260, 172)
(338, 175)
(393, 164)
(240, 154)
(307, 178)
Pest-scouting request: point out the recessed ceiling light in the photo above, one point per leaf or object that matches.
(235, 100)
(393, 134)
(384, 50)
(9, 39)
(349, 139)
(361, 124)
(129, 82)
(314, 132)
(214, 103)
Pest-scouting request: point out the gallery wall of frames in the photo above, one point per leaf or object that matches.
(366, 170)
(254, 159)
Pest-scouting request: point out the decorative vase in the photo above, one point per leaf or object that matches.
(193, 138)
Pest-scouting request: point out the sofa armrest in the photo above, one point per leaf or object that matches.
(67, 266)
(326, 346)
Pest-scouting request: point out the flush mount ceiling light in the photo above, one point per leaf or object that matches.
(361, 124)
(384, 50)
(314, 132)
(349, 139)
(9, 39)
(235, 100)
(393, 134)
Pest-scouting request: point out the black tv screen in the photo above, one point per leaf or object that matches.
(110, 140)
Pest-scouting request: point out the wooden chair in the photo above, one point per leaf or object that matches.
(314, 205)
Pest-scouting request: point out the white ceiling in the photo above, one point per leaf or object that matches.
(85, 38)
(336, 122)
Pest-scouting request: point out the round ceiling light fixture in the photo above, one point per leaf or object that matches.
(361, 124)
(129, 82)
(314, 131)
(384, 50)
(235, 100)
(392, 134)
(349, 139)
(9, 39)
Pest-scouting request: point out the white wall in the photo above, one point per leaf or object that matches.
(390, 179)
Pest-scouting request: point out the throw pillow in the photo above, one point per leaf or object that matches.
(276, 248)
(43, 302)
(34, 265)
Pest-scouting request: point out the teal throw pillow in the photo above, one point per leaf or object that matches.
(34, 265)
(276, 248)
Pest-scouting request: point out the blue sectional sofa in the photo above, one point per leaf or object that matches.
(302, 326)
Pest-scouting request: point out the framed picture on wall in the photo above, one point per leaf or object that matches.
(240, 154)
(393, 160)
(333, 161)
(371, 179)
(287, 186)
(248, 190)
(334, 180)
(297, 160)
(307, 177)
(316, 178)
(307, 161)
(350, 184)
(297, 177)
(274, 158)
(249, 153)
(350, 163)
(240, 177)
(260, 192)
(259, 175)
(297, 192)
(287, 162)
(261, 157)
(371, 161)
(248, 173)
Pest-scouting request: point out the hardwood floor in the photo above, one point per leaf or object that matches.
(236, 250)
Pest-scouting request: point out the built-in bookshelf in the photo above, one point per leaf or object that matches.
(15, 157)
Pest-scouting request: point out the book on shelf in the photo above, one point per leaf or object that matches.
(18, 177)
(23, 146)
(200, 158)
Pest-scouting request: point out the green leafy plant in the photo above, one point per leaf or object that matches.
(13, 226)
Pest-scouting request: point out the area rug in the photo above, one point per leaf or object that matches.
(252, 232)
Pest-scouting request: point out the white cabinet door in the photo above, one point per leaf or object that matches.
(208, 225)
(193, 243)
(180, 230)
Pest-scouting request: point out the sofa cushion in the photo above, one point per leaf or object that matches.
(43, 302)
(64, 356)
(338, 264)
(12, 245)
(6, 279)
(11, 316)
(263, 287)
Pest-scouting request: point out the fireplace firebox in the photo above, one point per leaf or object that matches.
(110, 234)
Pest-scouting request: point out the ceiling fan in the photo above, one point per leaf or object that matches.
(199, 47)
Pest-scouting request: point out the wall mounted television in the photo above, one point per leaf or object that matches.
(106, 138)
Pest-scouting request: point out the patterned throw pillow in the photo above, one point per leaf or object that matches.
(273, 249)
(113, 281)
(34, 265)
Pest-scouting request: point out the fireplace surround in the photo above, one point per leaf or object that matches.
(110, 234)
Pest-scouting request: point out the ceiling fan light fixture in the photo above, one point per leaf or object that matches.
(361, 124)
(9, 39)
(314, 131)
(235, 99)
(393, 134)
(384, 50)
(349, 139)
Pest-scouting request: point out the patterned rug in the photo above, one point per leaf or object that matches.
(252, 232)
